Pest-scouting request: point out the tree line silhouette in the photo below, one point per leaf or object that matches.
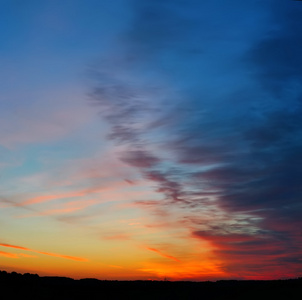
(33, 286)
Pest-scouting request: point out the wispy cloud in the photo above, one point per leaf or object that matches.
(65, 208)
(7, 254)
(46, 198)
(45, 253)
(27, 255)
(163, 254)
(117, 237)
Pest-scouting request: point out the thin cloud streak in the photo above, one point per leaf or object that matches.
(45, 253)
(224, 151)
(163, 254)
(67, 208)
(7, 254)
(47, 198)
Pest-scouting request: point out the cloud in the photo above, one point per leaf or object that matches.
(64, 256)
(16, 247)
(45, 253)
(162, 254)
(262, 254)
(66, 208)
(220, 134)
(118, 236)
(139, 158)
(117, 267)
(27, 255)
(46, 198)
(10, 255)
(15, 255)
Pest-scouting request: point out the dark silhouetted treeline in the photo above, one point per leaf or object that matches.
(31, 286)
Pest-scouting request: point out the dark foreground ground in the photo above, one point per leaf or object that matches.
(29, 286)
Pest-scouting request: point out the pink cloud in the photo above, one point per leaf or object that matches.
(70, 207)
(46, 198)
(65, 208)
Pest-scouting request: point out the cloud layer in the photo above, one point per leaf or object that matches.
(210, 112)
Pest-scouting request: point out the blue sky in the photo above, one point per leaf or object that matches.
(169, 129)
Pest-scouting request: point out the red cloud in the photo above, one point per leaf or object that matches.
(254, 256)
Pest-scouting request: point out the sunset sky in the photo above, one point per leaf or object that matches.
(151, 139)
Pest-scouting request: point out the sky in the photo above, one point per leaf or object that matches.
(151, 139)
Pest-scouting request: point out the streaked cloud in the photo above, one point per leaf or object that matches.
(118, 237)
(7, 254)
(65, 208)
(162, 254)
(45, 253)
